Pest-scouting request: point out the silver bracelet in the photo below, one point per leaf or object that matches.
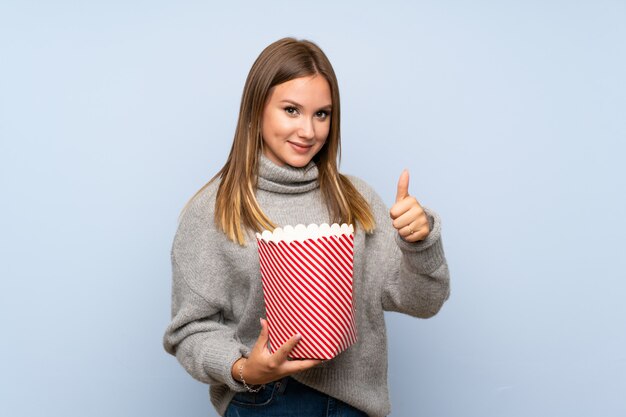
(243, 381)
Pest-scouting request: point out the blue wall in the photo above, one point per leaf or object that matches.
(509, 115)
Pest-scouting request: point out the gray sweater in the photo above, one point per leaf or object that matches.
(217, 296)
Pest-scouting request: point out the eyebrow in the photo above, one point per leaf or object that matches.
(296, 104)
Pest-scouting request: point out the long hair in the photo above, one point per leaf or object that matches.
(236, 207)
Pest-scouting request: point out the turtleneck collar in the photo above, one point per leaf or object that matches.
(286, 179)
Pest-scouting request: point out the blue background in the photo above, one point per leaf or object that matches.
(509, 115)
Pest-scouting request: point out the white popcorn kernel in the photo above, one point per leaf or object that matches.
(278, 235)
(266, 235)
(312, 231)
(300, 233)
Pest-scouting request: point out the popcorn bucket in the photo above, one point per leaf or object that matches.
(307, 288)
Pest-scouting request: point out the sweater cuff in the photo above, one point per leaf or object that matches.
(424, 256)
(220, 362)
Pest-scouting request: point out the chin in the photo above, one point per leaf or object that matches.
(299, 162)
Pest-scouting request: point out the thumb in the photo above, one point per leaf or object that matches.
(403, 186)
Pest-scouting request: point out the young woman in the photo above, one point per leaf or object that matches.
(282, 170)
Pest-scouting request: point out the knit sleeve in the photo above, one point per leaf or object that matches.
(198, 335)
(413, 275)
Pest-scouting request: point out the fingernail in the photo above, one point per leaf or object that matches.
(298, 337)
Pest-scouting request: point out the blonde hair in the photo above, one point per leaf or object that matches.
(236, 206)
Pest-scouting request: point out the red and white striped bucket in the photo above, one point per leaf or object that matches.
(307, 288)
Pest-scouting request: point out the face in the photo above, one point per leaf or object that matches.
(296, 120)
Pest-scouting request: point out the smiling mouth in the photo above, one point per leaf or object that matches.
(301, 145)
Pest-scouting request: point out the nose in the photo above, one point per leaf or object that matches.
(307, 130)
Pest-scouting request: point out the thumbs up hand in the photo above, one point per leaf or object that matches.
(409, 218)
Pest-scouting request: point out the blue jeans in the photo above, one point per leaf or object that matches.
(287, 397)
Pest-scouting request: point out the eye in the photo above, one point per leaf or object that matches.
(322, 114)
(290, 110)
